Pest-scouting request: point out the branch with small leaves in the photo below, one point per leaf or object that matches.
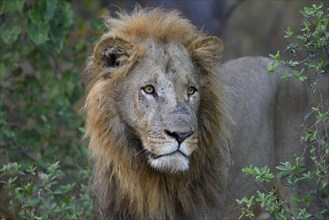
(312, 65)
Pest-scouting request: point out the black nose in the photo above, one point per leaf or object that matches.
(179, 136)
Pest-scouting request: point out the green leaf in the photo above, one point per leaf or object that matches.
(272, 67)
(276, 57)
(20, 5)
(317, 7)
(282, 174)
(307, 26)
(291, 63)
(293, 47)
(51, 7)
(67, 14)
(35, 16)
(26, 49)
(285, 75)
(302, 78)
(285, 166)
(82, 130)
(2, 69)
(308, 175)
(248, 170)
(53, 92)
(57, 35)
(301, 37)
(31, 169)
(37, 33)
(288, 32)
(9, 32)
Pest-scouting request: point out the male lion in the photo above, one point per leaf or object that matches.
(163, 119)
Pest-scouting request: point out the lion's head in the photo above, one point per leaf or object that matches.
(159, 100)
(156, 88)
(154, 107)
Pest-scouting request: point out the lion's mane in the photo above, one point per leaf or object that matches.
(125, 186)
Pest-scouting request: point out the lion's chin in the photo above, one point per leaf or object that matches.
(172, 163)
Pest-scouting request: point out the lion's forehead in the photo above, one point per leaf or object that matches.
(169, 61)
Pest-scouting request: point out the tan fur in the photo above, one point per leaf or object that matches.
(125, 185)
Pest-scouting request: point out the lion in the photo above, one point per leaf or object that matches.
(170, 128)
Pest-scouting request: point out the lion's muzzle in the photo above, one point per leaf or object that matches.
(172, 155)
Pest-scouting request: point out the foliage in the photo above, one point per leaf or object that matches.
(309, 183)
(42, 196)
(40, 61)
(39, 81)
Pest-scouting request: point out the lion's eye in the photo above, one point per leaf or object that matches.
(191, 90)
(149, 89)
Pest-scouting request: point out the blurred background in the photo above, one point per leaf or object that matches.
(247, 27)
(44, 45)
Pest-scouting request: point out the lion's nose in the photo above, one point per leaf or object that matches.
(179, 136)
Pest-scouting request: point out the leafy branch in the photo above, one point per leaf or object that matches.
(309, 60)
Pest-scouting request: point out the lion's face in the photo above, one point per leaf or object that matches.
(159, 100)
(154, 90)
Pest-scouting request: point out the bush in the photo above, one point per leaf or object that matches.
(310, 61)
(39, 81)
(41, 195)
(40, 63)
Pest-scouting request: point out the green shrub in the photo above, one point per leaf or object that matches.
(39, 81)
(310, 60)
(42, 195)
(40, 63)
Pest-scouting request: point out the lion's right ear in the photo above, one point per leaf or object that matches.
(111, 53)
(206, 52)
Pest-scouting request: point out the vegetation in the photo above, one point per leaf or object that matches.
(42, 195)
(310, 61)
(41, 61)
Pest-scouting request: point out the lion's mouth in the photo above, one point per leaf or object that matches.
(154, 156)
(172, 162)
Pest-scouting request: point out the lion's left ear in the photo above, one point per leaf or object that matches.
(111, 53)
(113, 57)
(206, 52)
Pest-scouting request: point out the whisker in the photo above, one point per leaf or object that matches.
(140, 152)
(192, 141)
(160, 141)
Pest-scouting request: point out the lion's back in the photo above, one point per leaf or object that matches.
(267, 112)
